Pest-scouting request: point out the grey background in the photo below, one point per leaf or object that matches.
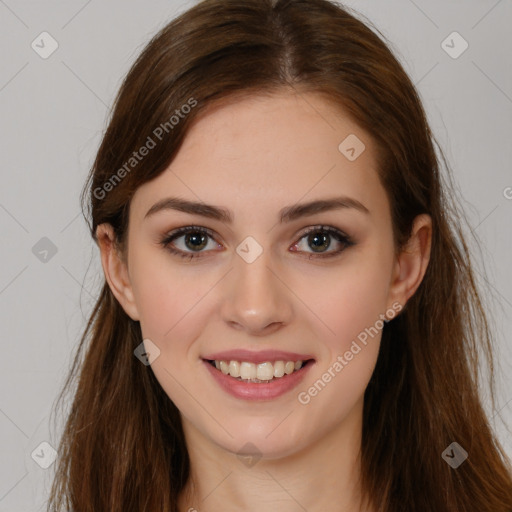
(52, 115)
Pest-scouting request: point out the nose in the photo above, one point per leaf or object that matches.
(256, 298)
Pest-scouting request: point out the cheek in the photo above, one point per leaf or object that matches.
(174, 301)
(353, 311)
(352, 303)
(167, 296)
(332, 308)
(349, 302)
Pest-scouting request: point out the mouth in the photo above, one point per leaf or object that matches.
(259, 373)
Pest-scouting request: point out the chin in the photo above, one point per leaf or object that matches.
(262, 440)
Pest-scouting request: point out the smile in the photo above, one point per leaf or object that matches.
(257, 373)
(257, 381)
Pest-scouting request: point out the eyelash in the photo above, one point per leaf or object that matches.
(336, 233)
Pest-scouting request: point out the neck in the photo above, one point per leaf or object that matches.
(324, 473)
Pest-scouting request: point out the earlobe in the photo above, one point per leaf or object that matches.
(116, 271)
(412, 262)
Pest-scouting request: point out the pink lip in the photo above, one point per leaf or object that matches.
(255, 391)
(257, 357)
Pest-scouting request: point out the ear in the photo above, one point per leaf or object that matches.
(116, 271)
(412, 262)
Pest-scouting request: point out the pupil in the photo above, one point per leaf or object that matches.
(198, 241)
(314, 238)
(197, 238)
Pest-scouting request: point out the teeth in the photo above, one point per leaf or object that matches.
(265, 371)
(234, 368)
(224, 367)
(247, 370)
(278, 369)
(262, 372)
(289, 367)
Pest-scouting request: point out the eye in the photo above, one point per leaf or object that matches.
(195, 239)
(320, 238)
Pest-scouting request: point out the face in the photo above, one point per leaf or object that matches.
(273, 282)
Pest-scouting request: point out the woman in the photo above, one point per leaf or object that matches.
(289, 318)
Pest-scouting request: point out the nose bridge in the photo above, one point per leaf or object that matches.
(257, 297)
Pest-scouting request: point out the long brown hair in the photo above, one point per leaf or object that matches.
(123, 446)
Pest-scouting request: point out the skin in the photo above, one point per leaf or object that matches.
(254, 156)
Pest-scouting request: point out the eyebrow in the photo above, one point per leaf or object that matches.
(286, 214)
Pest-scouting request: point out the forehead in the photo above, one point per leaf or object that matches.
(270, 151)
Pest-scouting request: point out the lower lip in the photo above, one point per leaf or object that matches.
(254, 391)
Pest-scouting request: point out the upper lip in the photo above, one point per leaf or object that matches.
(261, 356)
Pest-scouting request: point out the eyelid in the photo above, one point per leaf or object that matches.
(326, 228)
(337, 233)
(184, 230)
(178, 232)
